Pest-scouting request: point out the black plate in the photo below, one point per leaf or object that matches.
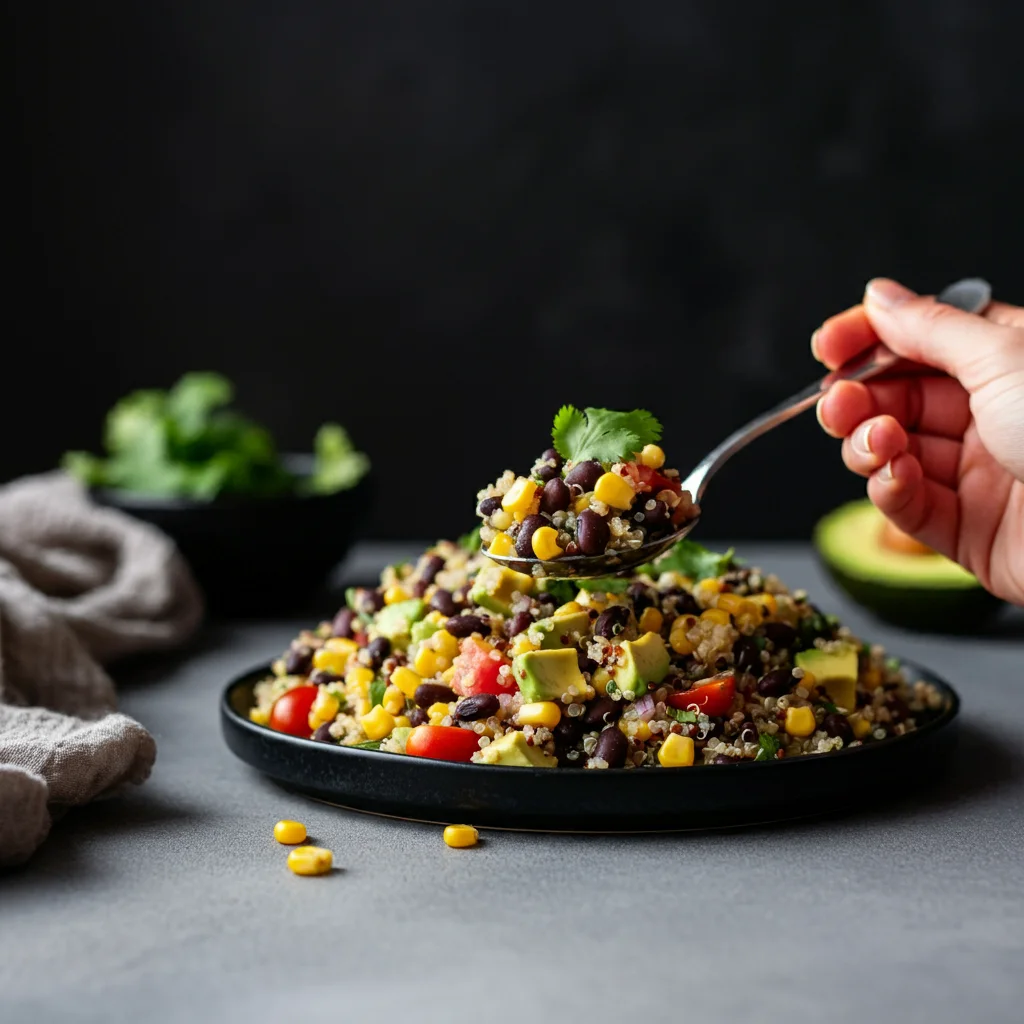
(577, 800)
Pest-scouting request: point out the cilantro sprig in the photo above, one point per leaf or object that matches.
(602, 434)
(691, 559)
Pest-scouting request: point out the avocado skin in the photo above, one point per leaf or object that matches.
(923, 609)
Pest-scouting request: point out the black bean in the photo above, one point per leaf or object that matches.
(489, 506)
(585, 475)
(443, 602)
(781, 634)
(555, 497)
(546, 473)
(323, 734)
(524, 538)
(419, 588)
(592, 532)
(298, 661)
(612, 621)
(642, 596)
(837, 725)
(612, 747)
(465, 625)
(651, 518)
(378, 649)
(344, 623)
(601, 712)
(432, 693)
(747, 654)
(748, 732)
(430, 567)
(369, 601)
(417, 716)
(519, 623)
(776, 683)
(461, 595)
(898, 708)
(585, 664)
(680, 602)
(480, 705)
(725, 759)
(320, 676)
(568, 733)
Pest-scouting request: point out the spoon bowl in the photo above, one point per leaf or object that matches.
(971, 295)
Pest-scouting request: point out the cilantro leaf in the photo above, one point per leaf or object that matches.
(560, 591)
(470, 541)
(377, 688)
(606, 584)
(602, 434)
(365, 745)
(685, 717)
(337, 465)
(691, 559)
(830, 707)
(192, 400)
(770, 746)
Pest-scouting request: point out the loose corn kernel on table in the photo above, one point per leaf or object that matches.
(174, 902)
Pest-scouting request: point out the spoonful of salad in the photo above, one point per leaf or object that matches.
(601, 501)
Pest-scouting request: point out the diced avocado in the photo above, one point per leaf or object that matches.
(395, 621)
(834, 671)
(513, 750)
(423, 629)
(643, 661)
(559, 629)
(495, 585)
(398, 737)
(547, 675)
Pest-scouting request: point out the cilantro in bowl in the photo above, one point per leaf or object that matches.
(188, 443)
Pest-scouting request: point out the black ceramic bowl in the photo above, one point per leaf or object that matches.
(577, 800)
(256, 555)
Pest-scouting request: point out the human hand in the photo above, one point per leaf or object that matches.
(941, 440)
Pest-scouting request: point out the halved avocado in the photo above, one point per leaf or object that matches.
(897, 579)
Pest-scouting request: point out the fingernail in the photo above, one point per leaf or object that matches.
(861, 438)
(885, 473)
(814, 344)
(881, 291)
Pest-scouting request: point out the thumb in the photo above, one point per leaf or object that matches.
(974, 350)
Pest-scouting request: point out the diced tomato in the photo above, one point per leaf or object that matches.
(477, 667)
(360, 638)
(645, 479)
(442, 742)
(712, 698)
(290, 712)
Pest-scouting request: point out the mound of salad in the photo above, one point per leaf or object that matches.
(602, 487)
(188, 443)
(695, 659)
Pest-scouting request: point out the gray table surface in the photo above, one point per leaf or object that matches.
(172, 902)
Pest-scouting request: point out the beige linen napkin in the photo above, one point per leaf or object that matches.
(80, 585)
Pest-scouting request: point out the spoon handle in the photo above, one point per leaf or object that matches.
(971, 295)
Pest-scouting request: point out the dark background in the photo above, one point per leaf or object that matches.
(438, 221)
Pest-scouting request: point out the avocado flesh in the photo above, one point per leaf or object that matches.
(559, 630)
(835, 673)
(495, 586)
(644, 661)
(395, 621)
(513, 750)
(548, 675)
(925, 592)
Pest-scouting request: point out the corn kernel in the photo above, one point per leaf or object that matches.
(520, 496)
(711, 585)
(680, 642)
(501, 520)
(393, 701)
(461, 836)
(290, 832)
(443, 663)
(261, 716)
(600, 680)
(872, 679)
(651, 621)
(614, 490)
(341, 643)
(652, 456)
(676, 751)
(324, 709)
(402, 722)
(800, 721)
(436, 712)
(716, 615)
(589, 600)
(502, 544)
(545, 543)
(436, 617)
(569, 608)
(729, 603)
(334, 662)
(378, 723)
(861, 727)
(767, 602)
(310, 860)
(425, 662)
(395, 593)
(582, 503)
(406, 680)
(642, 733)
(358, 678)
(521, 646)
(544, 713)
(445, 644)
(448, 675)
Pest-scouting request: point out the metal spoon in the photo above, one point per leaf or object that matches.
(971, 295)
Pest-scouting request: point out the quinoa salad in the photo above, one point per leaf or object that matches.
(602, 488)
(695, 659)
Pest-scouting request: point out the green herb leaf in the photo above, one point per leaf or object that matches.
(365, 745)
(470, 541)
(560, 591)
(769, 747)
(377, 688)
(337, 466)
(606, 584)
(829, 707)
(893, 664)
(193, 399)
(686, 717)
(691, 559)
(602, 434)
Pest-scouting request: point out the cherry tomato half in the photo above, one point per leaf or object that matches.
(442, 742)
(712, 698)
(290, 712)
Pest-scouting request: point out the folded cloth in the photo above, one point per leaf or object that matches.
(80, 585)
